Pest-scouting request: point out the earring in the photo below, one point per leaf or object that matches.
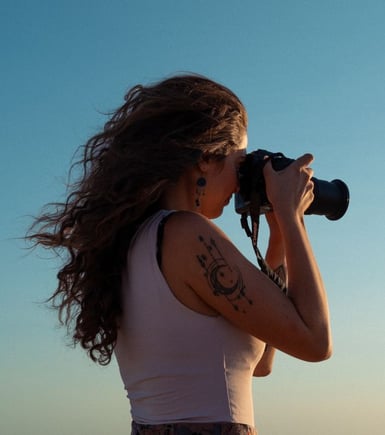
(200, 191)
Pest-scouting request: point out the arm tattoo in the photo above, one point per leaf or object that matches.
(281, 272)
(224, 279)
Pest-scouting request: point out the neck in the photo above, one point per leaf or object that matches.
(179, 196)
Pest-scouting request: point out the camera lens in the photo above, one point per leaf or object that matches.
(331, 199)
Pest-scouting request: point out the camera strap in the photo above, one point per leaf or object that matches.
(254, 212)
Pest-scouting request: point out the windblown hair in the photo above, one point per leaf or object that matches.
(148, 142)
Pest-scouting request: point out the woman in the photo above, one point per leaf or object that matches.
(151, 278)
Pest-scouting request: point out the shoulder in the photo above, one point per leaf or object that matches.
(188, 237)
(199, 254)
(186, 233)
(189, 226)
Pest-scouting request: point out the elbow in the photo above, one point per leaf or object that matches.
(327, 353)
(263, 370)
(263, 373)
(321, 356)
(326, 348)
(321, 352)
(319, 345)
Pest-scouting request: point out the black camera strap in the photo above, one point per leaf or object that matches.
(254, 211)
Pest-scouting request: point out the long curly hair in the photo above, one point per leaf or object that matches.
(147, 143)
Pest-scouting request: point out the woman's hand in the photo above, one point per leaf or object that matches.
(290, 191)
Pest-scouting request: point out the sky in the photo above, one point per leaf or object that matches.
(312, 77)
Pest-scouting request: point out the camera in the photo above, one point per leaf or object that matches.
(331, 199)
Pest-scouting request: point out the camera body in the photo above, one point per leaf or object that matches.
(331, 199)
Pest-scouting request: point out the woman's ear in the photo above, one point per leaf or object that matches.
(204, 162)
(203, 166)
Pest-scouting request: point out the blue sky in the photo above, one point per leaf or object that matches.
(312, 76)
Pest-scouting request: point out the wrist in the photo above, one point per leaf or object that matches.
(287, 219)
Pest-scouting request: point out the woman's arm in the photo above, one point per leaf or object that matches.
(211, 266)
(275, 258)
(303, 271)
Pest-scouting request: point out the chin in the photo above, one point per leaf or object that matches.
(216, 214)
(215, 211)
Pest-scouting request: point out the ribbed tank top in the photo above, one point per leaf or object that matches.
(178, 365)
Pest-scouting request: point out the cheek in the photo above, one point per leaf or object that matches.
(232, 180)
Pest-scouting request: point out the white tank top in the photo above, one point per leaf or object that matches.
(178, 365)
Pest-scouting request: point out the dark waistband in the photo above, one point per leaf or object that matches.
(225, 428)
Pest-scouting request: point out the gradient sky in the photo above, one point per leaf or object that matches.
(312, 76)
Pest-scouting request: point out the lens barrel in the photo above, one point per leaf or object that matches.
(331, 199)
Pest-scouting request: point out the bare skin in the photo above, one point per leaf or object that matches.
(212, 277)
(275, 258)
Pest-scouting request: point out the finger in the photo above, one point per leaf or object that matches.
(309, 186)
(308, 171)
(305, 160)
(309, 191)
(268, 167)
(311, 172)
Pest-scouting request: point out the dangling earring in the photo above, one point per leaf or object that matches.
(200, 191)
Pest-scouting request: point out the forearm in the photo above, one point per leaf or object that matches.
(275, 254)
(290, 192)
(275, 258)
(305, 285)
